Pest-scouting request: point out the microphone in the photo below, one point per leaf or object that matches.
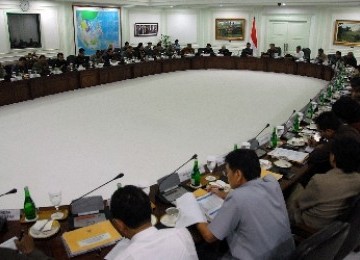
(293, 112)
(182, 165)
(267, 125)
(120, 175)
(9, 192)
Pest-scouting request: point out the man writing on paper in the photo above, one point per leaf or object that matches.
(131, 211)
(253, 218)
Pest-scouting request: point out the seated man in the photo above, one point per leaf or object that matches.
(26, 251)
(97, 57)
(273, 51)
(139, 51)
(60, 62)
(253, 217)
(224, 51)
(188, 50)
(177, 46)
(148, 49)
(208, 49)
(337, 60)
(20, 67)
(247, 52)
(107, 57)
(348, 110)
(326, 197)
(158, 49)
(131, 210)
(329, 126)
(82, 59)
(350, 60)
(299, 55)
(321, 58)
(41, 66)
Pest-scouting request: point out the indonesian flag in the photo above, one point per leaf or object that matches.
(253, 37)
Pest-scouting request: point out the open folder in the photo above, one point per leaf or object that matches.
(90, 238)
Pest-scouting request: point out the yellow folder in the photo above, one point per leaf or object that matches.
(90, 238)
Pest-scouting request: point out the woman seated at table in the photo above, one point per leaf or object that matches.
(327, 196)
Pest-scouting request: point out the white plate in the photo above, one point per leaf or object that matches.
(282, 164)
(165, 220)
(265, 164)
(45, 234)
(153, 220)
(210, 178)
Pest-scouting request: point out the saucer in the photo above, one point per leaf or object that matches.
(210, 178)
(282, 164)
(195, 187)
(165, 220)
(45, 234)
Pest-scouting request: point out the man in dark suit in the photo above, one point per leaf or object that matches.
(247, 52)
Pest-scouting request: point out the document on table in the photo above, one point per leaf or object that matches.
(190, 211)
(210, 203)
(288, 154)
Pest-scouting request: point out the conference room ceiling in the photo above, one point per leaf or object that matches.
(218, 3)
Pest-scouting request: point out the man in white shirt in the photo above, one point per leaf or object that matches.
(131, 210)
(299, 55)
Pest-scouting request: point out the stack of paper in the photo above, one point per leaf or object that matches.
(289, 155)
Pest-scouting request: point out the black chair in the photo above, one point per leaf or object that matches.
(307, 53)
(324, 244)
(278, 50)
(352, 240)
(71, 59)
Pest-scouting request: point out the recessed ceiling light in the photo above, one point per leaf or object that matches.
(283, 4)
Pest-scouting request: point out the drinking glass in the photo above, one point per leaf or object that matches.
(211, 163)
(55, 199)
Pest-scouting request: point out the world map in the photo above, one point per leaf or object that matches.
(96, 29)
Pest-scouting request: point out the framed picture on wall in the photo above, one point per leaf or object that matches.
(347, 32)
(96, 28)
(146, 29)
(232, 29)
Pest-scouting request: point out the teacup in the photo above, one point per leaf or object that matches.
(173, 214)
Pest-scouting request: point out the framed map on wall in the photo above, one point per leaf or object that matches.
(230, 29)
(347, 32)
(96, 28)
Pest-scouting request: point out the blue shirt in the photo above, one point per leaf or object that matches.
(255, 222)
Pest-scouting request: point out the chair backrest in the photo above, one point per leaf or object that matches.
(71, 58)
(353, 238)
(307, 53)
(324, 244)
(278, 50)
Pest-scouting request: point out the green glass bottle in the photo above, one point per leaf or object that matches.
(195, 175)
(235, 147)
(274, 139)
(296, 124)
(29, 205)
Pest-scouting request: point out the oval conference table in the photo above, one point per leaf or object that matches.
(22, 90)
(18, 91)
